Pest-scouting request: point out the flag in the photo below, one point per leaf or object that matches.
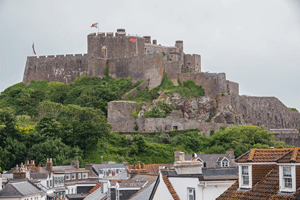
(33, 49)
(95, 25)
(132, 40)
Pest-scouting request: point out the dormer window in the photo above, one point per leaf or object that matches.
(287, 181)
(245, 176)
(225, 162)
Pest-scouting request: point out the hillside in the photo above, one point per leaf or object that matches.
(68, 121)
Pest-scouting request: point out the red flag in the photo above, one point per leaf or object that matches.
(132, 40)
(33, 49)
(95, 25)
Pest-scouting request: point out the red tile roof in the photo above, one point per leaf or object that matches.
(267, 188)
(97, 186)
(153, 168)
(285, 155)
(170, 188)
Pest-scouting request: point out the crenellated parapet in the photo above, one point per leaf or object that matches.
(62, 68)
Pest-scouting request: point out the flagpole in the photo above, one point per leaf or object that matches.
(136, 42)
(98, 27)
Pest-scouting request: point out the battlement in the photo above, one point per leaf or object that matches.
(57, 56)
(192, 55)
(116, 34)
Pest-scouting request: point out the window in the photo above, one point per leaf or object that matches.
(225, 163)
(287, 177)
(191, 194)
(68, 177)
(51, 183)
(73, 176)
(79, 175)
(175, 127)
(85, 175)
(287, 180)
(245, 175)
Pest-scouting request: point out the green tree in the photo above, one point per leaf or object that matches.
(82, 127)
(61, 153)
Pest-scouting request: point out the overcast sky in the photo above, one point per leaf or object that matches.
(255, 42)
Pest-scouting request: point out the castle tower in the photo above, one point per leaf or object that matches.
(147, 39)
(179, 45)
(116, 46)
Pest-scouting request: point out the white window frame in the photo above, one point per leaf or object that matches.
(68, 176)
(223, 161)
(73, 176)
(191, 193)
(241, 185)
(85, 175)
(282, 187)
(79, 175)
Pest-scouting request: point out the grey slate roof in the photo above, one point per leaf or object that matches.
(143, 193)
(39, 175)
(212, 160)
(96, 195)
(120, 176)
(19, 189)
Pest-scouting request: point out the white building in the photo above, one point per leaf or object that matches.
(189, 180)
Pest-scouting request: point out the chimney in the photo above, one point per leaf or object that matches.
(142, 166)
(139, 165)
(230, 153)
(89, 166)
(126, 164)
(155, 42)
(177, 155)
(49, 165)
(75, 163)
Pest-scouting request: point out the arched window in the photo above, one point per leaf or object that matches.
(104, 51)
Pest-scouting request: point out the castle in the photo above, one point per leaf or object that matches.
(140, 58)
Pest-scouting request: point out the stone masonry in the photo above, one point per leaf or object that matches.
(138, 58)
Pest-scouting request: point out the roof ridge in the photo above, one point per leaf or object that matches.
(241, 155)
(295, 153)
(16, 189)
(252, 152)
(170, 188)
(283, 155)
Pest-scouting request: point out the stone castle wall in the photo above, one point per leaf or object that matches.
(267, 111)
(149, 66)
(292, 139)
(192, 63)
(62, 68)
(214, 84)
(114, 46)
(120, 118)
(140, 60)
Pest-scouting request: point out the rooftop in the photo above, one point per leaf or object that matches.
(266, 188)
(19, 189)
(285, 155)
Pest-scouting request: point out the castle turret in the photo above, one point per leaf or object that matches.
(147, 39)
(179, 45)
